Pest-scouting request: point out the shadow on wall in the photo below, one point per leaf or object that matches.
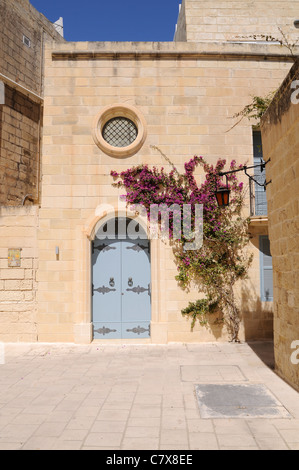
(212, 322)
(257, 319)
(257, 316)
(1, 117)
(2, 190)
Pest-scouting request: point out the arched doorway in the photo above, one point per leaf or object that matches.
(121, 280)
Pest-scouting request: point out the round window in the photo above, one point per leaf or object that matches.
(119, 130)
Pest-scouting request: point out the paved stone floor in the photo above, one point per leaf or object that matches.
(132, 397)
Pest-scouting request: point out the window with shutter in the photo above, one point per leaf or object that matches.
(266, 269)
(260, 176)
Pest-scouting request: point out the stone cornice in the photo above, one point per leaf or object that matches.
(79, 51)
(167, 55)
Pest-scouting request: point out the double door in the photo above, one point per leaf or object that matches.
(121, 289)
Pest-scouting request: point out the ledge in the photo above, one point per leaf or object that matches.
(259, 220)
(175, 55)
(20, 88)
(73, 51)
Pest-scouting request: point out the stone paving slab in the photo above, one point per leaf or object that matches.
(212, 373)
(140, 397)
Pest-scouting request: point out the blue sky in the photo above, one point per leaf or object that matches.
(113, 20)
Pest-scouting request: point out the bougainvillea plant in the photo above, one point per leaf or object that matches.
(222, 259)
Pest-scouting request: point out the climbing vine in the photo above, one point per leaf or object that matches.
(282, 40)
(259, 104)
(255, 109)
(221, 261)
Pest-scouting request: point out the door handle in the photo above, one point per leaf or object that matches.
(130, 282)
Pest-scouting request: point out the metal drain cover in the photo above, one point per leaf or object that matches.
(238, 401)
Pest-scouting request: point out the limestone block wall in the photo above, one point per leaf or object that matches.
(21, 63)
(19, 147)
(280, 134)
(225, 20)
(18, 287)
(21, 69)
(187, 101)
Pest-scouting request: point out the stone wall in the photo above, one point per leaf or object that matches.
(21, 83)
(21, 69)
(280, 134)
(19, 147)
(226, 20)
(19, 62)
(18, 287)
(187, 95)
(187, 101)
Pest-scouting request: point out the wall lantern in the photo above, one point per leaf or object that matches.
(222, 194)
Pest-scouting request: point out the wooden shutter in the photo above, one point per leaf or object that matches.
(260, 193)
(266, 269)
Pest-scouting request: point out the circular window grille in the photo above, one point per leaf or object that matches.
(120, 132)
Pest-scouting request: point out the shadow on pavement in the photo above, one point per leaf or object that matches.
(265, 351)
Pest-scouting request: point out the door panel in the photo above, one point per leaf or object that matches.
(106, 281)
(136, 330)
(136, 301)
(107, 330)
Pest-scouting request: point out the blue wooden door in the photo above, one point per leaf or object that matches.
(121, 295)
